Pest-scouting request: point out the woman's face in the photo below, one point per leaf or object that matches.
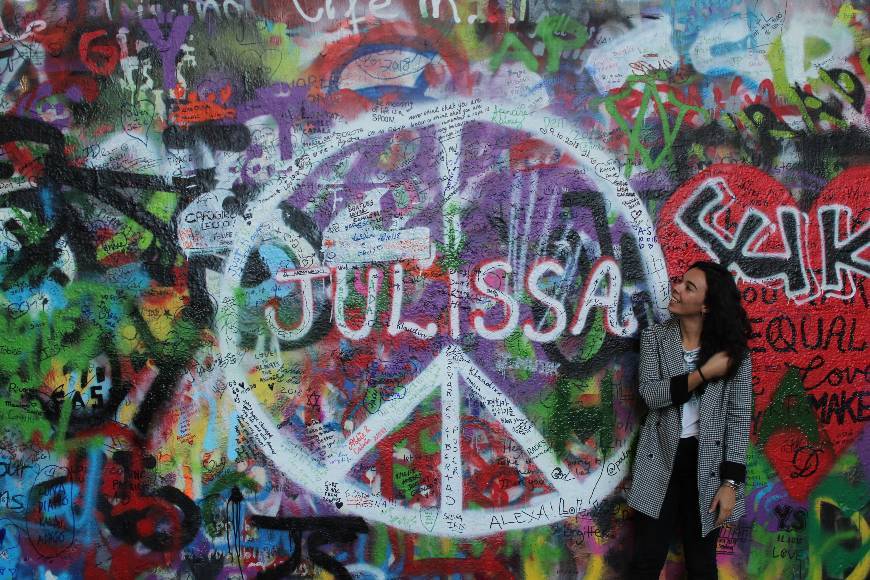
(688, 293)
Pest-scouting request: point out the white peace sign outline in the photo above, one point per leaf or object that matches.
(444, 371)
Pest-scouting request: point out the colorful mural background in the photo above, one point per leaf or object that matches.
(354, 288)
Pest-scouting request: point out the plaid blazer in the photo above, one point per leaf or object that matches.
(723, 434)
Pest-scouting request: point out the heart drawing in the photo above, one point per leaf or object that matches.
(801, 264)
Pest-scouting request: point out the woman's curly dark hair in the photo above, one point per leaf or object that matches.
(726, 325)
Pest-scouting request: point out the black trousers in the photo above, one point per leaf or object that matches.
(680, 508)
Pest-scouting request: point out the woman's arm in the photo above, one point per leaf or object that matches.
(738, 420)
(658, 391)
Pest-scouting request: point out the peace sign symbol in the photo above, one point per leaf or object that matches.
(397, 201)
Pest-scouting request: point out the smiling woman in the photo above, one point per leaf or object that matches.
(696, 379)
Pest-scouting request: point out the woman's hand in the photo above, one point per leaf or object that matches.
(717, 365)
(725, 499)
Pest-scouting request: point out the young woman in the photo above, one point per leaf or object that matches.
(696, 378)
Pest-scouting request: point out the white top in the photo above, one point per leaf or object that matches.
(690, 407)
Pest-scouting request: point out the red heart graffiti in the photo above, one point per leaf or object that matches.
(801, 274)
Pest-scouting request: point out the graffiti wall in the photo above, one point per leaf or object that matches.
(346, 288)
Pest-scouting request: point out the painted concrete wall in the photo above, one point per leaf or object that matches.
(354, 288)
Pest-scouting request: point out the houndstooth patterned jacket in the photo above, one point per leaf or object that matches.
(725, 418)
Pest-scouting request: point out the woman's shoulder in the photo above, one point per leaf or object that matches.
(659, 328)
